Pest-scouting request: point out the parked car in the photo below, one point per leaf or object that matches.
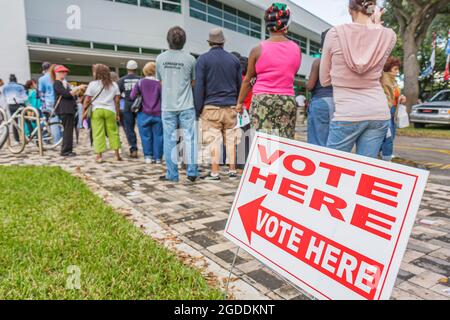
(435, 111)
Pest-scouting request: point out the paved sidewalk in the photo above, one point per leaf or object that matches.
(190, 218)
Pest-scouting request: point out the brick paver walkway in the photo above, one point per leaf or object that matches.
(190, 218)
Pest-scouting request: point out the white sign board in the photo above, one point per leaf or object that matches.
(335, 224)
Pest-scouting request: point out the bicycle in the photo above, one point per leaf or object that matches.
(18, 141)
(11, 132)
(49, 127)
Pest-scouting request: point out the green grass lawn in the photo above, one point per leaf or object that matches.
(50, 221)
(430, 131)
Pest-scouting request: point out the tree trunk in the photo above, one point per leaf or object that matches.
(411, 68)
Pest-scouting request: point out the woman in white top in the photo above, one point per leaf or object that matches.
(103, 95)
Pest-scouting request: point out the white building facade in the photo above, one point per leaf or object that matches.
(79, 33)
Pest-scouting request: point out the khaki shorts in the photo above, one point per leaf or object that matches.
(218, 128)
(219, 123)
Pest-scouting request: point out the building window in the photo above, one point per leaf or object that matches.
(92, 45)
(167, 5)
(70, 43)
(223, 15)
(128, 49)
(173, 6)
(104, 46)
(151, 51)
(151, 4)
(134, 2)
(36, 39)
(314, 48)
(301, 41)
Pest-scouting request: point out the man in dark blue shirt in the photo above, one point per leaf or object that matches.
(218, 81)
(126, 85)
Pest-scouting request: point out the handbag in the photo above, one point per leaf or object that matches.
(136, 107)
(89, 107)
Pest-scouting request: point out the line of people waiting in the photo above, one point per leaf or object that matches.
(350, 106)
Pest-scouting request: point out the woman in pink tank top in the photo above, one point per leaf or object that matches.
(274, 64)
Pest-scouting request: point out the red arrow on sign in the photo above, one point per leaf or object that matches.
(249, 215)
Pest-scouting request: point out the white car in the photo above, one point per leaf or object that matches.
(435, 111)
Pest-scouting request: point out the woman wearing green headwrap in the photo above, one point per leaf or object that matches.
(274, 63)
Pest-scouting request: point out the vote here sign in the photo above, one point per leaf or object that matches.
(335, 224)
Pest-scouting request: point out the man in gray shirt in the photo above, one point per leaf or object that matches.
(176, 71)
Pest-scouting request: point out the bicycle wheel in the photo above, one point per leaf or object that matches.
(16, 138)
(52, 135)
(3, 128)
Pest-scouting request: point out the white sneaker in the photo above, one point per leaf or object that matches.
(148, 160)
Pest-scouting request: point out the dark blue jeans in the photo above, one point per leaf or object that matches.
(320, 113)
(129, 122)
(387, 148)
(151, 131)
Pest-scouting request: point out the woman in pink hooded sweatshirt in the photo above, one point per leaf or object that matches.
(352, 61)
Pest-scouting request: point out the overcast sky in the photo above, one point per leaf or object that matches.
(332, 11)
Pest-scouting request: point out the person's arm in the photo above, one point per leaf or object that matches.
(121, 85)
(40, 90)
(159, 93)
(325, 61)
(117, 104)
(251, 73)
(193, 72)
(239, 77)
(60, 90)
(313, 76)
(199, 89)
(134, 91)
(86, 103)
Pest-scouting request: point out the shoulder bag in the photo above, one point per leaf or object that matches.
(136, 107)
(89, 107)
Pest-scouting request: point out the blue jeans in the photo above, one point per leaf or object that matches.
(367, 135)
(320, 113)
(387, 149)
(56, 130)
(184, 120)
(129, 122)
(151, 131)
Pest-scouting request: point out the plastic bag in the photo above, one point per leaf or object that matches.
(402, 117)
(243, 119)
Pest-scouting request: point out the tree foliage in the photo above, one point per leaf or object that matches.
(415, 21)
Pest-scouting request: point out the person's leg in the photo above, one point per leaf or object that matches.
(157, 133)
(170, 123)
(80, 116)
(129, 122)
(319, 122)
(98, 123)
(387, 147)
(371, 139)
(55, 129)
(344, 134)
(144, 126)
(68, 121)
(231, 136)
(189, 126)
(112, 130)
(64, 141)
